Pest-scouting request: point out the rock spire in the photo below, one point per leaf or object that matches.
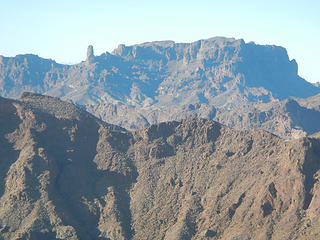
(90, 53)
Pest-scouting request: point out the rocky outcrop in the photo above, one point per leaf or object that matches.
(67, 175)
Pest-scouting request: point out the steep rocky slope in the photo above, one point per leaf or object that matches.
(223, 72)
(67, 175)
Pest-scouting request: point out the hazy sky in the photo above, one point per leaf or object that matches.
(62, 30)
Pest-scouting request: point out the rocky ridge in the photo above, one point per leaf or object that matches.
(67, 175)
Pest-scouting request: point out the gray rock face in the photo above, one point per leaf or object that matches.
(222, 72)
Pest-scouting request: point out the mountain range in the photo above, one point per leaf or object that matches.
(215, 139)
(222, 72)
(65, 174)
(242, 85)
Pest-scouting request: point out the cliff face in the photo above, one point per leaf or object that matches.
(219, 71)
(67, 175)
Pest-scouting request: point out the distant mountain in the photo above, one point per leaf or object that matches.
(64, 174)
(241, 85)
(133, 118)
(222, 72)
(288, 118)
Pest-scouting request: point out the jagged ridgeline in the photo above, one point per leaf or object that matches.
(222, 72)
(64, 174)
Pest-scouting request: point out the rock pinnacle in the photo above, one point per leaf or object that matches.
(90, 53)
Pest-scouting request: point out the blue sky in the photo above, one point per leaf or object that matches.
(62, 30)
